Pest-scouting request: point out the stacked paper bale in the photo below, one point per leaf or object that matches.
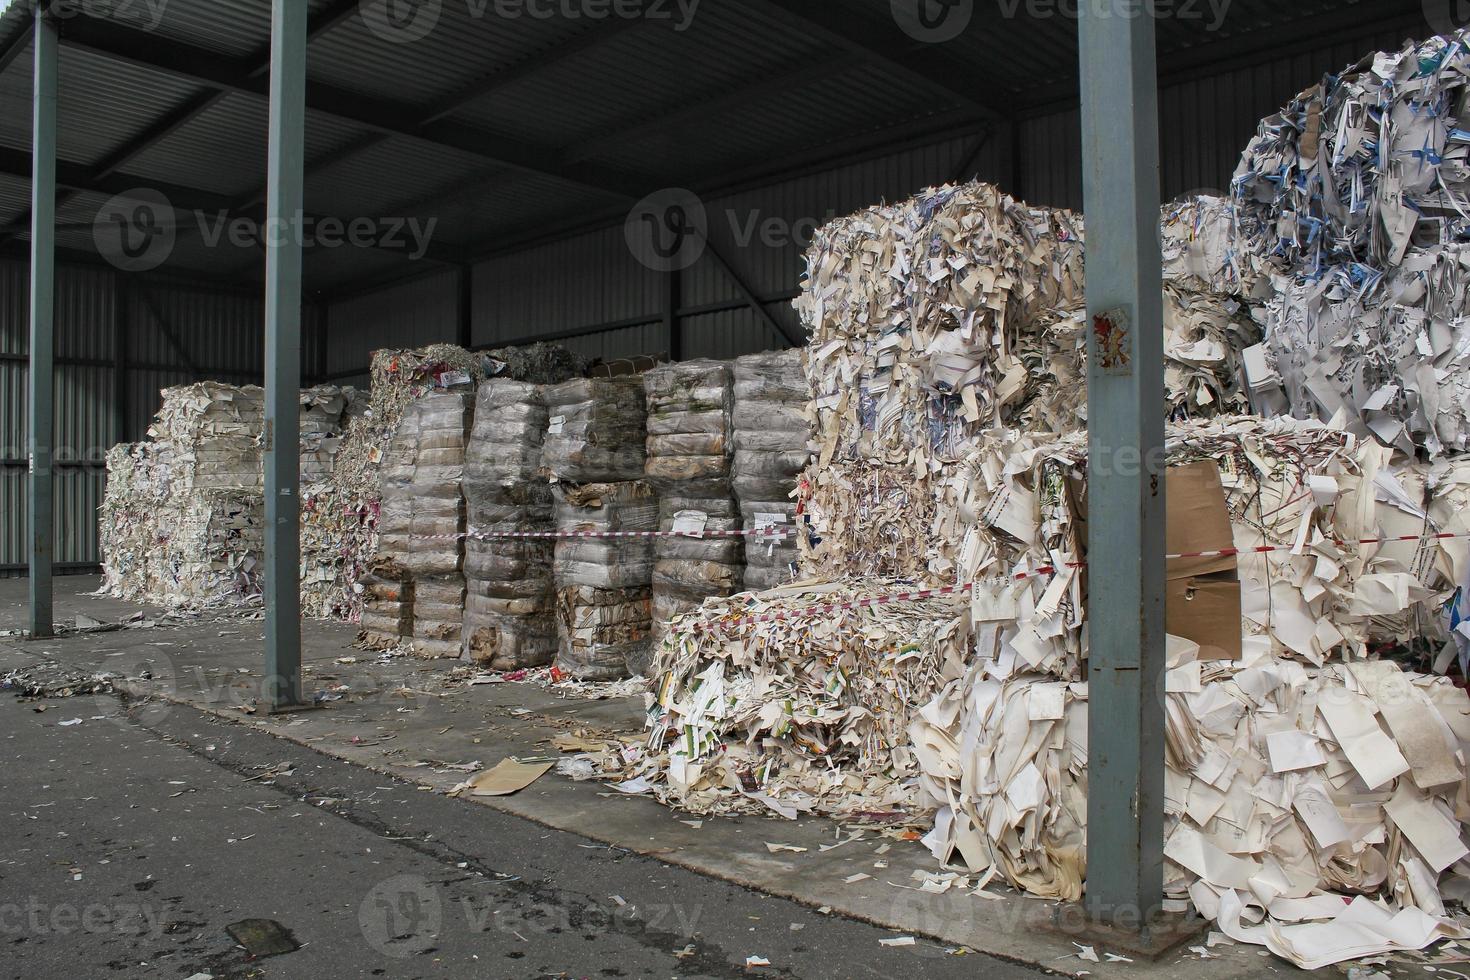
(594, 455)
(422, 522)
(689, 454)
(510, 609)
(1355, 194)
(137, 489)
(339, 517)
(771, 433)
(324, 410)
(195, 493)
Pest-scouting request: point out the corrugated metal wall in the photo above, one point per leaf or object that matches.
(102, 316)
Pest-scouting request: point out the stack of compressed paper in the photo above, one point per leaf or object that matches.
(137, 489)
(915, 310)
(182, 515)
(1325, 801)
(603, 599)
(1356, 195)
(323, 410)
(594, 454)
(806, 715)
(771, 433)
(509, 616)
(422, 521)
(339, 517)
(214, 430)
(689, 455)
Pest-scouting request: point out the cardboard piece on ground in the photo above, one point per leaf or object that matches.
(505, 778)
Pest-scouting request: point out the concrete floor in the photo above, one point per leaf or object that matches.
(399, 717)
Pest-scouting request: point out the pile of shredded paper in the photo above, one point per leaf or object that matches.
(1354, 197)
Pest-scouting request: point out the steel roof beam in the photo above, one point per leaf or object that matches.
(388, 117)
(887, 44)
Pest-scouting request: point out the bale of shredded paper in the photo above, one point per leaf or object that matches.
(339, 516)
(538, 364)
(595, 430)
(509, 617)
(689, 458)
(770, 432)
(808, 715)
(603, 584)
(1297, 794)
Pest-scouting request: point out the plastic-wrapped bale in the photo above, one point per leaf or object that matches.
(510, 607)
(436, 544)
(603, 584)
(387, 613)
(595, 430)
(771, 433)
(339, 517)
(689, 457)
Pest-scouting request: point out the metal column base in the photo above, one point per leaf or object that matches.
(1158, 938)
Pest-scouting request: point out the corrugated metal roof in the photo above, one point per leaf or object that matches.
(604, 102)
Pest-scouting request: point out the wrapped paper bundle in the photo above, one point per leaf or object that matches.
(509, 618)
(603, 584)
(1294, 793)
(689, 457)
(771, 435)
(387, 614)
(339, 517)
(595, 430)
(211, 543)
(804, 716)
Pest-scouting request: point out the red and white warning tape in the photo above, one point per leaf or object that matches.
(764, 532)
(809, 612)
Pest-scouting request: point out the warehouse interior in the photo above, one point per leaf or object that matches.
(526, 140)
(761, 403)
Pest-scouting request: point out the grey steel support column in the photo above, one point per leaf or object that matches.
(43, 320)
(1125, 614)
(284, 204)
